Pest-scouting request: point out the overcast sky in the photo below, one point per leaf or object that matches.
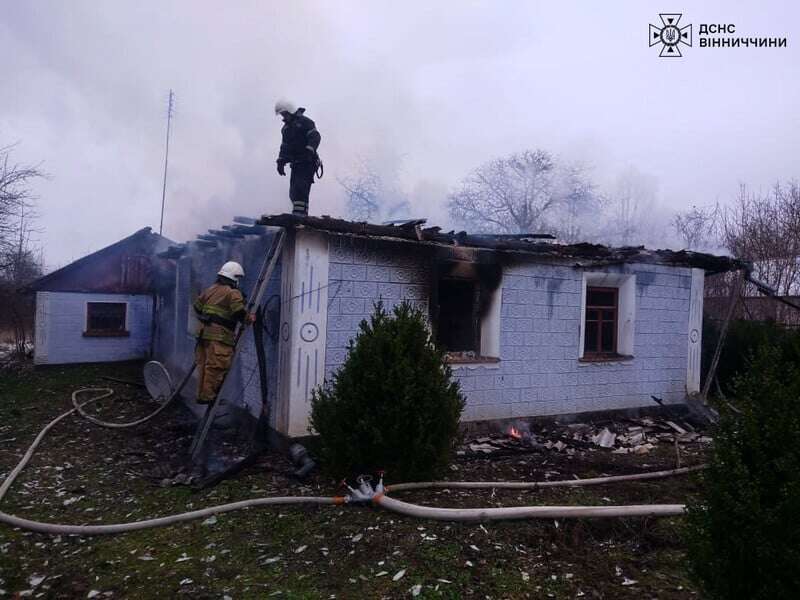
(444, 85)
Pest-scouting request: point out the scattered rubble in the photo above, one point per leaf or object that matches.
(624, 436)
(605, 439)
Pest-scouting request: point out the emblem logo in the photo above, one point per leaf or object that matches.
(670, 35)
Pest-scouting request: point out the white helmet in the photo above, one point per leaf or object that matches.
(231, 270)
(282, 106)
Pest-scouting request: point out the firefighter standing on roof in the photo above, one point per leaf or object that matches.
(299, 143)
(219, 308)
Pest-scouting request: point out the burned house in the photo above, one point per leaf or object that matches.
(99, 308)
(532, 328)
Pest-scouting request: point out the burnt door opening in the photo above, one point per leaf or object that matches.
(458, 328)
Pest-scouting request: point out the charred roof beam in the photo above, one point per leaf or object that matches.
(530, 244)
(225, 234)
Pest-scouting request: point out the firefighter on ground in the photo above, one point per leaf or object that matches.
(219, 308)
(299, 142)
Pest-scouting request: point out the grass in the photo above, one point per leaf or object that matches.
(86, 474)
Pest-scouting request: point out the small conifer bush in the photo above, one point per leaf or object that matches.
(393, 404)
(743, 531)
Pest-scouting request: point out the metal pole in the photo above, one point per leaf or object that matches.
(166, 159)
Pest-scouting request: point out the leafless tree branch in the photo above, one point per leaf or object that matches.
(517, 193)
(764, 229)
(371, 198)
(19, 261)
(697, 227)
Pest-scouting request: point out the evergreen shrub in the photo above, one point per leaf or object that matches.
(393, 404)
(743, 530)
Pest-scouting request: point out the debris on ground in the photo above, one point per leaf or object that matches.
(624, 436)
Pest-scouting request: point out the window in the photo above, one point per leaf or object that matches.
(608, 316)
(466, 310)
(106, 319)
(601, 321)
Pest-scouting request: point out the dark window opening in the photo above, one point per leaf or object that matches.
(106, 319)
(458, 327)
(601, 322)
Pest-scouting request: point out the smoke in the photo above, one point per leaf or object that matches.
(444, 87)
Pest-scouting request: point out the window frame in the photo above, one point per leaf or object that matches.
(598, 352)
(626, 282)
(124, 332)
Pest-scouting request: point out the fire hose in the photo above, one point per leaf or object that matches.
(109, 391)
(364, 493)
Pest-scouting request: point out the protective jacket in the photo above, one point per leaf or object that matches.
(219, 308)
(300, 140)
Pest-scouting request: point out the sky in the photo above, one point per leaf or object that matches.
(434, 89)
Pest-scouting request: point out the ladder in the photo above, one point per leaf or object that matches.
(264, 274)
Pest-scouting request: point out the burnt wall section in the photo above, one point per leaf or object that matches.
(176, 325)
(539, 371)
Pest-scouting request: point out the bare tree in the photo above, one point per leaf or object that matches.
(576, 217)
(764, 229)
(374, 197)
(363, 195)
(19, 263)
(25, 265)
(15, 199)
(630, 203)
(697, 226)
(513, 194)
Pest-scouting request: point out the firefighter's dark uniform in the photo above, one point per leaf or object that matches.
(300, 140)
(218, 308)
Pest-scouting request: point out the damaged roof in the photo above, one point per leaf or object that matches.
(123, 267)
(586, 254)
(542, 246)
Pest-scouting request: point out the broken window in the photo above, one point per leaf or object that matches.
(458, 329)
(467, 310)
(106, 318)
(600, 328)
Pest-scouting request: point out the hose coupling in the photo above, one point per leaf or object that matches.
(364, 492)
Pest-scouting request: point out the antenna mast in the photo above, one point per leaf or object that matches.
(170, 108)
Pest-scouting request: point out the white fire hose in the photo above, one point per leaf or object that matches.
(365, 493)
(526, 512)
(532, 485)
